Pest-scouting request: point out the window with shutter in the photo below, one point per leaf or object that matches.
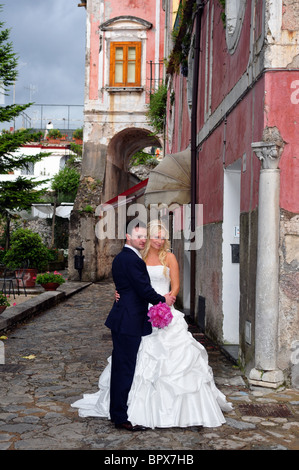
(125, 60)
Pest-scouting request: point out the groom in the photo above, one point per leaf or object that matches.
(128, 320)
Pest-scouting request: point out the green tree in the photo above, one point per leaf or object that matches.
(64, 186)
(77, 149)
(9, 142)
(21, 193)
(16, 196)
(157, 108)
(65, 183)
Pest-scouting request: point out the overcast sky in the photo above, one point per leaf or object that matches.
(49, 38)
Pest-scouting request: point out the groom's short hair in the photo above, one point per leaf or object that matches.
(131, 224)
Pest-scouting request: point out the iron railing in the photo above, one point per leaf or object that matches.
(62, 116)
(155, 75)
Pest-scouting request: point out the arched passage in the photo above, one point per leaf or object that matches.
(113, 161)
(120, 149)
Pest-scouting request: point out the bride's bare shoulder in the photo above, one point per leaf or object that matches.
(170, 258)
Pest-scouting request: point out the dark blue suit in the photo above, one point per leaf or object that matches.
(128, 322)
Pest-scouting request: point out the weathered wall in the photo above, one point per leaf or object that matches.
(288, 328)
(209, 279)
(248, 92)
(248, 260)
(82, 227)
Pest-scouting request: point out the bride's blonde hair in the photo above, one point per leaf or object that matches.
(154, 228)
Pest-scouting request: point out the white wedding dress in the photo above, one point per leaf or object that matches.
(173, 384)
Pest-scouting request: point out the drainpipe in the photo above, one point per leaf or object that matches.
(194, 154)
(266, 372)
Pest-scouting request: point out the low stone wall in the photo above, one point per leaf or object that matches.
(40, 226)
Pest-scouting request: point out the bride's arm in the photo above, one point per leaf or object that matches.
(174, 274)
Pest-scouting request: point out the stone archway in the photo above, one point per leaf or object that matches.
(120, 149)
(113, 162)
(117, 180)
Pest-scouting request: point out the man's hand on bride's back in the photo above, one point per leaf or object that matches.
(170, 299)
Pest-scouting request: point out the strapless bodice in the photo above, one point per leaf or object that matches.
(159, 281)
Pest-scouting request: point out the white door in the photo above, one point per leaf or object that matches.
(230, 248)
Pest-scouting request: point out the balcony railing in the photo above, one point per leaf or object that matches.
(155, 75)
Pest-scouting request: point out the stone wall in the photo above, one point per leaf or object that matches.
(248, 260)
(82, 227)
(44, 228)
(209, 279)
(288, 326)
(82, 234)
(40, 226)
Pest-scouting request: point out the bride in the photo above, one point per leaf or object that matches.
(173, 384)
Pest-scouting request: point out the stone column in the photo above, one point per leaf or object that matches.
(266, 372)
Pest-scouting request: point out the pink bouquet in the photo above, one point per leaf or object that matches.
(160, 315)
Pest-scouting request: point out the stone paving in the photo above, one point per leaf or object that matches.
(55, 356)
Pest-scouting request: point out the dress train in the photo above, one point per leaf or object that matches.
(173, 384)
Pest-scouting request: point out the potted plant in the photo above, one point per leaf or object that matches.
(53, 135)
(3, 302)
(27, 246)
(50, 281)
(78, 135)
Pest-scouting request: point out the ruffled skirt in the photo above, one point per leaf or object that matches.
(173, 384)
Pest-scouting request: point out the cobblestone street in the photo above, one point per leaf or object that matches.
(54, 357)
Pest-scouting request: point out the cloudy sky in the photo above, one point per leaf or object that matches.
(49, 38)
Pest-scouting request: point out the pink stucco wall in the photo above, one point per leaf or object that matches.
(244, 124)
(227, 68)
(139, 8)
(181, 130)
(272, 101)
(210, 177)
(94, 58)
(282, 111)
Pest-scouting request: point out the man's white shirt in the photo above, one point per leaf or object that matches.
(134, 249)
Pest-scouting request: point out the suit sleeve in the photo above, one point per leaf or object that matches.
(140, 281)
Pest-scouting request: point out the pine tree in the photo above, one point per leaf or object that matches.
(21, 193)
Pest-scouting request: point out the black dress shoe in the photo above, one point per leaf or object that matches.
(129, 427)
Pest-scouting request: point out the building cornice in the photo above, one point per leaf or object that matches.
(113, 23)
